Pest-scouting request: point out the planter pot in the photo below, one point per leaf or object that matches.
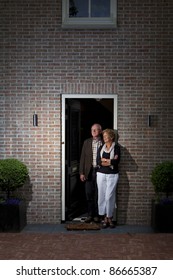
(161, 217)
(12, 217)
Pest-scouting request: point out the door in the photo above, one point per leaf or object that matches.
(79, 112)
(75, 201)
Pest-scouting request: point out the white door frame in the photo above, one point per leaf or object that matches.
(79, 96)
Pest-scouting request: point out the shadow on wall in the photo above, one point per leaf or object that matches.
(127, 164)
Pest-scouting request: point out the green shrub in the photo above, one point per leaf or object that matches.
(162, 178)
(13, 174)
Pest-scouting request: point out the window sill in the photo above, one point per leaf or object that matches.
(92, 24)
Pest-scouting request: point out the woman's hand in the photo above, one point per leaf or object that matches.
(105, 162)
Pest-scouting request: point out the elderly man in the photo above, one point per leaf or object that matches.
(88, 169)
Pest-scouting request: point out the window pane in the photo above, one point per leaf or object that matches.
(100, 8)
(78, 8)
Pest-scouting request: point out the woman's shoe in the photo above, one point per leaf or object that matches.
(105, 223)
(111, 223)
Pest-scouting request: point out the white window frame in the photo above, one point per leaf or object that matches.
(101, 22)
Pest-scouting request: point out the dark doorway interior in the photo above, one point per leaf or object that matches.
(80, 115)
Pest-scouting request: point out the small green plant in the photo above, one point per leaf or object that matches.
(13, 174)
(162, 178)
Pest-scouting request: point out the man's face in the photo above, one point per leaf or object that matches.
(95, 131)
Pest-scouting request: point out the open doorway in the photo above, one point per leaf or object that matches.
(79, 112)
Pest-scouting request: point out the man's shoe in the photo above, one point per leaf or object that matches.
(104, 224)
(96, 219)
(88, 220)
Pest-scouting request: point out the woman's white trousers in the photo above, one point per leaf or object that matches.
(107, 184)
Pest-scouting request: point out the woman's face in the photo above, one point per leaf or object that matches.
(106, 137)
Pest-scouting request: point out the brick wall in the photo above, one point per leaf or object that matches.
(40, 61)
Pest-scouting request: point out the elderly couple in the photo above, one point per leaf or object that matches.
(99, 161)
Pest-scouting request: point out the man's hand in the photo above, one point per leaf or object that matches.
(82, 178)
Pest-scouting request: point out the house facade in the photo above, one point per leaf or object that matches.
(45, 59)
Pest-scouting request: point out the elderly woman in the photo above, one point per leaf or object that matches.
(108, 158)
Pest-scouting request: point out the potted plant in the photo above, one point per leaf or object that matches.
(13, 174)
(162, 206)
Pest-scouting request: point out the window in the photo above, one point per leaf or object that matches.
(89, 13)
